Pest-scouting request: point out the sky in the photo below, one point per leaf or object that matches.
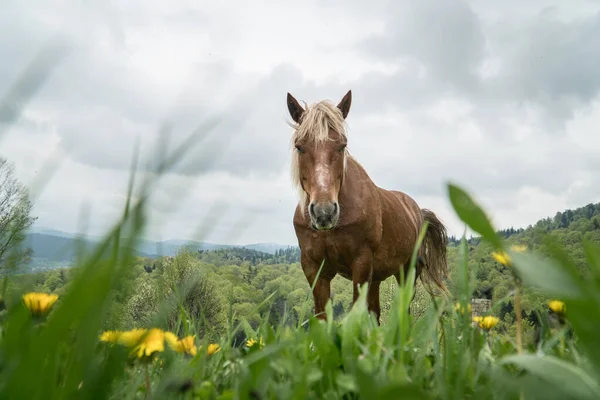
(501, 98)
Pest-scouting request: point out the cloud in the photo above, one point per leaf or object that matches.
(548, 63)
(444, 38)
(501, 98)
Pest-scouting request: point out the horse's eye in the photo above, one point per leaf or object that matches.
(300, 149)
(342, 148)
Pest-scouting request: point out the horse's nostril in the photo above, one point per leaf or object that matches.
(335, 207)
(312, 208)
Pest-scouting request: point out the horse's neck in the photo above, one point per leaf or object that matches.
(356, 183)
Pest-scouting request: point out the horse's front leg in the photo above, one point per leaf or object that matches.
(362, 272)
(322, 289)
(373, 299)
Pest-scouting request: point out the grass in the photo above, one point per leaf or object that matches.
(442, 355)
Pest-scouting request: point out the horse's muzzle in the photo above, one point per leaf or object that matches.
(324, 215)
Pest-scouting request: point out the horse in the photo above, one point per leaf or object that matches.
(344, 222)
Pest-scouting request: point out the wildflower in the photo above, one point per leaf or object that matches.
(39, 303)
(557, 306)
(153, 342)
(110, 336)
(487, 322)
(171, 339)
(457, 307)
(131, 338)
(213, 348)
(504, 258)
(251, 342)
(185, 345)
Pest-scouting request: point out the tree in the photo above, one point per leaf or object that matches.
(15, 217)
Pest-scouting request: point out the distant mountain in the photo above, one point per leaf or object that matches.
(54, 232)
(58, 246)
(171, 247)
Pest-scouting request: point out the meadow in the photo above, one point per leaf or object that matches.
(57, 346)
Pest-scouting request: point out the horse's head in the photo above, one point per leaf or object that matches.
(319, 162)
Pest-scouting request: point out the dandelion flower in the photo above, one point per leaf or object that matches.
(213, 348)
(253, 342)
(39, 303)
(487, 322)
(557, 306)
(171, 339)
(110, 336)
(153, 342)
(504, 258)
(457, 307)
(185, 345)
(131, 338)
(188, 346)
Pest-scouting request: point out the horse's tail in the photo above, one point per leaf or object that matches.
(434, 251)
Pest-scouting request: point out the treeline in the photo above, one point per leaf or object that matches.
(584, 219)
(241, 255)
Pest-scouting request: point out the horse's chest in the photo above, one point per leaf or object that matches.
(339, 255)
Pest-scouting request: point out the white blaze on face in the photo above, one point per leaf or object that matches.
(322, 176)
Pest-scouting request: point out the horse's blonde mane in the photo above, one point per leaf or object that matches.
(314, 126)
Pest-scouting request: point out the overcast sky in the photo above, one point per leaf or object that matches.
(499, 97)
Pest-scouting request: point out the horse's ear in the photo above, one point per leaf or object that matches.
(294, 108)
(344, 105)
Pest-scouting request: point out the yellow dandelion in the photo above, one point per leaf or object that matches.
(457, 307)
(153, 342)
(487, 322)
(188, 346)
(477, 319)
(185, 345)
(110, 336)
(504, 258)
(131, 338)
(253, 342)
(557, 306)
(39, 303)
(213, 348)
(171, 339)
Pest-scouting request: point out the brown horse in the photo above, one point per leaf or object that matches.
(360, 231)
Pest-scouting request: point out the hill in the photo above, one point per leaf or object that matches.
(51, 251)
(56, 249)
